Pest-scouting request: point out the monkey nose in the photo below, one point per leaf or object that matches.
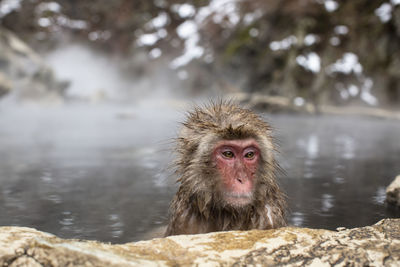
(239, 180)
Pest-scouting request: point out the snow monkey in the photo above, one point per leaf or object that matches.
(226, 167)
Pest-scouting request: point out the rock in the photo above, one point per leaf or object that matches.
(377, 245)
(279, 104)
(272, 104)
(24, 73)
(393, 192)
(5, 85)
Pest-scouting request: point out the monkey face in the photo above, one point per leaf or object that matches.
(237, 162)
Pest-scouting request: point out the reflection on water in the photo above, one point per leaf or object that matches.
(95, 173)
(337, 169)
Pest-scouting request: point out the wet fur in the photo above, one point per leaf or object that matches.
(198, 206)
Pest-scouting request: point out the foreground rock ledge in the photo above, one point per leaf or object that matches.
(377, 245)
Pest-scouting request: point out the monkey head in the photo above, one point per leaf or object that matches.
(225, 157)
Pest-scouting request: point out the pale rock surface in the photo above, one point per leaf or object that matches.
(393, 192)
(377, 245)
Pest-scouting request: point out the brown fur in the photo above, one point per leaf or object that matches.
(198, 206)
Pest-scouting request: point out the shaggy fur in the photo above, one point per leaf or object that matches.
(198, 206)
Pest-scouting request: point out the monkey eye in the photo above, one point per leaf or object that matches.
(228, 154)
(249, 155)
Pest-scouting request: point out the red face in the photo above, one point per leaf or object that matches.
(237, 162)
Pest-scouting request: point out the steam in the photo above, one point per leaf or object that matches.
(93, 76)
(97, 77)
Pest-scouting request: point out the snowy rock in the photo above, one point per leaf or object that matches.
(377, 245)
(393, 192)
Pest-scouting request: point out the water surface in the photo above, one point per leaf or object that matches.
(101, 172)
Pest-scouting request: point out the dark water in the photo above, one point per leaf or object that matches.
(338, 168)
(101, 172)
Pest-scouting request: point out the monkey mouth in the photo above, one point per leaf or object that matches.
(238, 199)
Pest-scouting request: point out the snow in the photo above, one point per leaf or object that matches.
(148, 39)
(310, 39)
(44, 22)
(353, 90)
(341, 30)
(395, 2)
(330, 5)
(184, 10)
(310, 61)
(284, 44)
(160, 21)
(192, 51)
(220, 9)
(155, 53)
(366, 95)
(347, 64)
(224, 12)
(71, 23)
(7, 6)
(384, 12)
(187, 29)
(249, 18)
(49, 6)
(162, 33)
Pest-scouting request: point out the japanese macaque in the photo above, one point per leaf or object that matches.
(226, 167)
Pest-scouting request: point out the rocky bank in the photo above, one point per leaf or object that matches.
(279, 104)
(376, 245)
